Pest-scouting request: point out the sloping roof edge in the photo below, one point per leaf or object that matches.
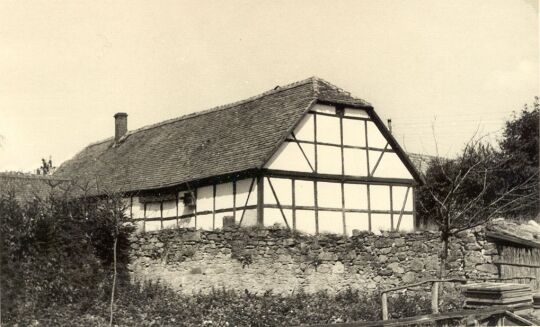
(397, 148)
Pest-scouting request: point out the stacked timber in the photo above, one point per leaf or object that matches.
(517, 297)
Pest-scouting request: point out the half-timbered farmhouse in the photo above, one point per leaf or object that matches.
(307, 156)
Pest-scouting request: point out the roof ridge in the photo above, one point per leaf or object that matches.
(340, 90)
(211, 110)
(221, 107)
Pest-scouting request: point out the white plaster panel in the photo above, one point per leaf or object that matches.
(324, 108)
(329, 195)
(355, 162)
(224, 196)
(375, 138)
(353, 112)
(152, 225)
(250, 217)
(356, 220)
(137, 208)
(242, 191)
(283, 189)
(205, 222)
(328, 159)
(305, 131)
(354, 132)
(168, 224)
(290, 157)
(398, 196)
(182, 209)
(186, 222)
(305, 221)
(205, 198)
(380, 222)
(273, 217)
(328, 129)
(304, 194)
(407, 223)
(380, 197)
(355, 196)
(153, 210)
(169, 208)
(391, 166)
(330, 222)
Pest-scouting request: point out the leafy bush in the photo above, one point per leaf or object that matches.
(153, 304)
(55, 252)
(56, 271)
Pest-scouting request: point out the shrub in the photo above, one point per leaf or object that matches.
(55, 252)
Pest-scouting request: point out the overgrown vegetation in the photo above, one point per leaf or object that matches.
(56, 252)
(152, 304)
(57, 270)
(484, 182)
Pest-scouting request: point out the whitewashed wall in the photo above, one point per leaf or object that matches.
(339, 208)
(324, 142)
(212, 205)
(321, 139)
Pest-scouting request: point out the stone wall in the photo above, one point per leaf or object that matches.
(275, 259)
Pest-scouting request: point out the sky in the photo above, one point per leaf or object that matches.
(441, 70)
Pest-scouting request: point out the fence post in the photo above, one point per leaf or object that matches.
(384, 306)
(435, 297)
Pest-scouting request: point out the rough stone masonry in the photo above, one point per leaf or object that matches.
(259, 260)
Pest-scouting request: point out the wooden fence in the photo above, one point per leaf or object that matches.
(520, 264)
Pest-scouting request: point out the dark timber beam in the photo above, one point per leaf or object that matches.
(339, 178)
(260, 200)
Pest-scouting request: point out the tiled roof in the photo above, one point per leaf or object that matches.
(27, 187)
(222, 140)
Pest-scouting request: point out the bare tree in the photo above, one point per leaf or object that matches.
(469, 191)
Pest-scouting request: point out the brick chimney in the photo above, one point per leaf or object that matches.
(120, 125)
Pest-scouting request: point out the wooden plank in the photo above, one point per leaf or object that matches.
(402, 208)
(395, 145)
(260, 200)
(234, 198)
(189, 215)
(369, 207)
(512, 239)
(435, 297)
(294, 203)
(316, 200)
(379, 160)
(332, 115)
(339, 178)
(303, 153)
(384, 305)
(214, 207)
(516, 264)
(367, 146)
(315, 192)
(286, 206)
(391, 209)
(247, 200)
(426, 319)
(345, 146)
(277, 201)
(445, 280)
